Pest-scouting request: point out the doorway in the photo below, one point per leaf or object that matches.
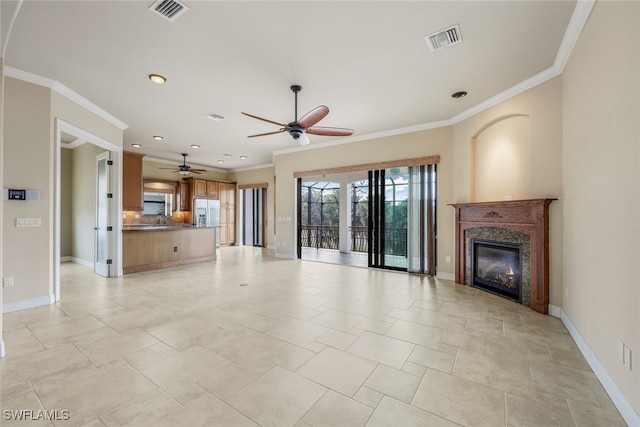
(68, 136)
(387, 217)
(253, 216)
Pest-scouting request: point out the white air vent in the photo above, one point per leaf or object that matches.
(169, 9)
(443, 38)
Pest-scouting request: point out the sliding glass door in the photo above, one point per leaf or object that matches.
(402, 218)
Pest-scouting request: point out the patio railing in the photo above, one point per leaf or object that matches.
(328, 237)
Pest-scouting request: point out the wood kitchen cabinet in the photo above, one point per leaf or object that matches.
(132, 183)
(212, 190)
(205, 189)
(227, 213)
(199, 187)
(183, 196)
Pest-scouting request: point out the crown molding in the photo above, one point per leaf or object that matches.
(66, 92)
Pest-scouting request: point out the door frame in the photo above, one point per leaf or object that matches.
(60, 127)
(240, 228)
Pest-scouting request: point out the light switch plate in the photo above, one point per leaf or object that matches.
(627, 357)
(28, 222)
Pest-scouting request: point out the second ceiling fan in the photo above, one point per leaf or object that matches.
(298, 129)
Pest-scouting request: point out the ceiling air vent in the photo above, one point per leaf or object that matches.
(443, 38)
(169, 9)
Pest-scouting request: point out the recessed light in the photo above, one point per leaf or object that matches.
(157, 78)
(215, 116)
(460, 94)
(221, 161)
(243, 157)
(228, 155)
(196, 146)
(158, 137)
(136, 145)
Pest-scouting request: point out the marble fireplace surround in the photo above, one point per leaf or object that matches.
(522, 222)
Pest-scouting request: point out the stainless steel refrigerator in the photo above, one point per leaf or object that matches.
(207, 214)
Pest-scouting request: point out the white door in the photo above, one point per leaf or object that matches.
(102, 252)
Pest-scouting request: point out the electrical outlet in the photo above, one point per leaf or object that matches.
(7, 282)
(447, 259)
(175, 249)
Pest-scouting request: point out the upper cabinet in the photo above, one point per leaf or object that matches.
(204, 189)
(132, 183)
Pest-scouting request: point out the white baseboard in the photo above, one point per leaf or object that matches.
(626, 410)
(9, 307)
(555, 311)
(285, 256)
(446, 276)
(66, 258)
(2, 350)
(82, 262)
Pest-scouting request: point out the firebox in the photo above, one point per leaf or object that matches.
(497, 268)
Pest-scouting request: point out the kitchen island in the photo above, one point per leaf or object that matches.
(150, 247)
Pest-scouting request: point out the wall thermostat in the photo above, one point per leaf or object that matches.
(14, 194)
(17, 194)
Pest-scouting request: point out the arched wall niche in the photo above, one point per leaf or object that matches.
(501, 159)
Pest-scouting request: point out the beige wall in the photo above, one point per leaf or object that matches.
(66, 194)
(29, 145)
(27, 165)
(502, 166)
(601, 175)
(258, 176)
(541, 109)
(405, 146)
(152, 169)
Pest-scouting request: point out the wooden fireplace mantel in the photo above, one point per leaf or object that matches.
(526, 216)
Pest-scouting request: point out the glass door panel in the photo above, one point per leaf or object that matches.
(101, 253)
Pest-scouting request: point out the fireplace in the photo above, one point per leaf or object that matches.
(496, 268)
(505, 226)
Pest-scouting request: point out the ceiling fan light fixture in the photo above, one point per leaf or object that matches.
(303, 139)
(183, 172)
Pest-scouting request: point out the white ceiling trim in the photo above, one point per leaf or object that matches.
(66, 92)
(368, 137)
(72, 145)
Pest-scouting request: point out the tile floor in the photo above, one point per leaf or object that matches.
(254, 340)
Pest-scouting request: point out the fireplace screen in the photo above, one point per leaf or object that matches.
(496, 268)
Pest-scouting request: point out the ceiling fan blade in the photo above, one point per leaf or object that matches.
(169, 168)
(264, 120)
(313, 116)
(264, 134)
(319, 130)
(197, 170)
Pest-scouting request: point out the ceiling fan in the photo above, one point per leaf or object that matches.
(184, 169)
(298, 129)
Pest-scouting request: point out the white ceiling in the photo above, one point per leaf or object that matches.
(366, 60)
